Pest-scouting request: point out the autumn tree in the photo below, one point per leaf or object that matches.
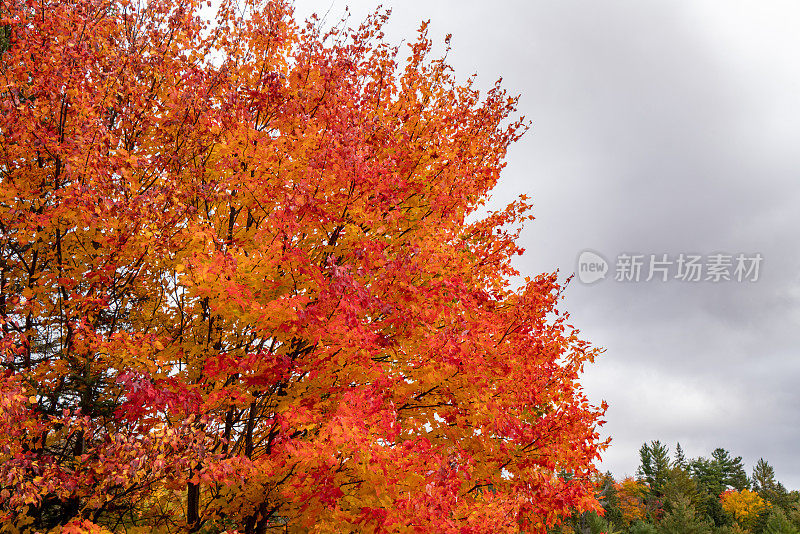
(631, 495)
(605, 521)
(609, 498)
(744, 506)
(247, 282)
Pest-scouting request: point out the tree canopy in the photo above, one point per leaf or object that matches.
(701, 497)
(245, 284)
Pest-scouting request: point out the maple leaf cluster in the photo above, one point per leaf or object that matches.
(244, 284)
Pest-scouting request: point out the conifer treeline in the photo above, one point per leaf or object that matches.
(676, 495)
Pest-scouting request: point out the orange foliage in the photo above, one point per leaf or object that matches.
(631, 500)
(240, 288)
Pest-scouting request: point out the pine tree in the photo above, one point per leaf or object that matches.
(682, 519)
(641, 527)
(763, 476)
(680, 459)
(599, 525)
(680, 485)
(770, 489)
(731, 529)
(654, 466)
(710, 481)
(778, 523)
(732, 469)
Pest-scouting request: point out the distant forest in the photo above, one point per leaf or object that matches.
(676, 495)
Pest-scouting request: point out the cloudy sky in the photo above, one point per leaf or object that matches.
(658, 128)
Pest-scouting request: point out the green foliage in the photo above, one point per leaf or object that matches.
(599, 525)
(586, 523)
(684, 497)
(732, 469)
(654, 466)
(680, 458)
(5, 29)
(720, 472)
(641, 527)
(708, 475)
(794, 512)
(680, 485)
(683, 519)
(730, 529)
(715, 475)
(779, 523)
(763, 476)
(608, 497)
(770, 489)
(5, 37)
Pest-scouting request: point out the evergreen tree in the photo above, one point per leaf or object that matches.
(732, 469)
(770, 489)
(778, 523)
(731, 529)
(598, 525)
(794, 512)
(683, 519)
(641, 527)
(763, 476)
(708, 475)
(680, 458)
(710, 479)
(654, 466)
(680, 485)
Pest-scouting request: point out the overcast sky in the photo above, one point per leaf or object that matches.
(658, 128)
